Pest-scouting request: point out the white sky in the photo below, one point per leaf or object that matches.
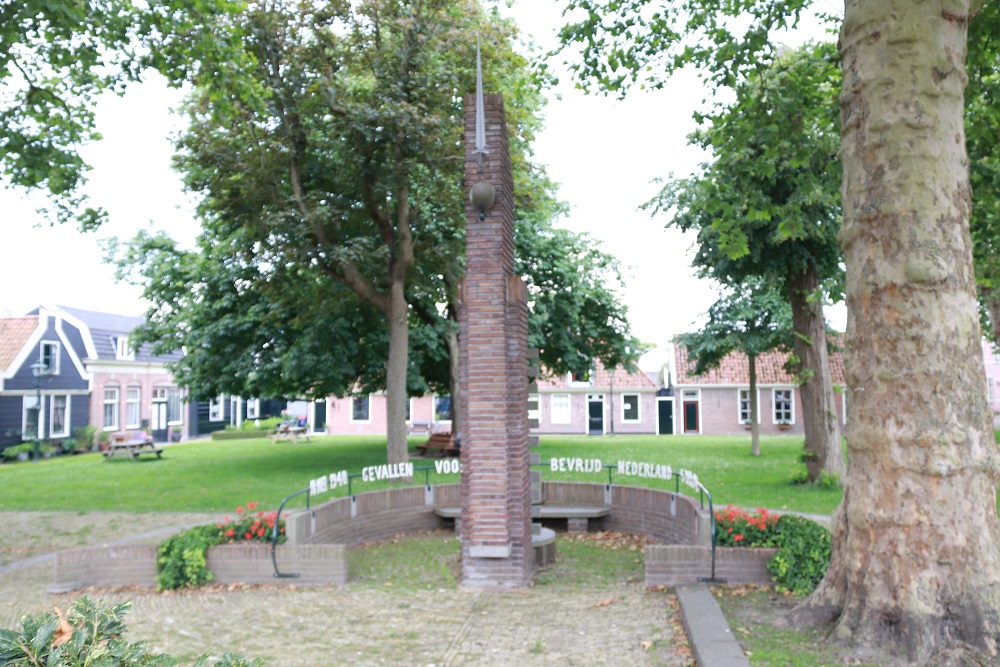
(603, 152)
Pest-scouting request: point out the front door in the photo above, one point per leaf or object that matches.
(690, 416)
(319, 416)
(595, 414)
(664, 416)
(158, 422)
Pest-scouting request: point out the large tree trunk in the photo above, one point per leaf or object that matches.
(395, 377)
(916, 546)
(754, 422)
(824, 452)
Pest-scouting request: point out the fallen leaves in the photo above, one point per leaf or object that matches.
(612, 539)
(606, 602)
(64, 632)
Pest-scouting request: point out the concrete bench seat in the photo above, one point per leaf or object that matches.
(577, 516)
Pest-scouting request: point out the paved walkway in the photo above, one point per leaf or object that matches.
(569, 623)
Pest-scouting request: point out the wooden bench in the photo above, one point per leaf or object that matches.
(290, 433)
(439, 442)
(132, 443)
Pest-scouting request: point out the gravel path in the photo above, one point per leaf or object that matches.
(359, 624)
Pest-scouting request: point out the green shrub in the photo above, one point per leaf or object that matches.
(90, 635)
(182, 560)
(803, 554)
(11, 452)
(240, 435)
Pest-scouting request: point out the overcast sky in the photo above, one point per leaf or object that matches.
(603, 152)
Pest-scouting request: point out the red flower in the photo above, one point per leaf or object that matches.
(248, 536)
(239, 510)
(230, 532)
(737, 537)
(260, 532)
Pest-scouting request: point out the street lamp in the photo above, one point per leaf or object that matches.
(38, 369)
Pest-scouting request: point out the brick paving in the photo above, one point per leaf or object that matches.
(364, 624)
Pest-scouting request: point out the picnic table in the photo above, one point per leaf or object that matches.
(133, 444)
(290, 433)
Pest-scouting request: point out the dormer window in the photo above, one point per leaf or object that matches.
(48, 354)
(582, 378)
(123, 348)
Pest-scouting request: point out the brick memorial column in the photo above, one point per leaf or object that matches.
(493, 330)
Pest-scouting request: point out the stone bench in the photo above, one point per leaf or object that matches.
(577, 516)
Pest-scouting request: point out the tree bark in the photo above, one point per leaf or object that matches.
(916, 545)
(754, 422)
(395, 376)
(824, 452)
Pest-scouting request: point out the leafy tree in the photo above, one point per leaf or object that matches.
(982, 125)
(751, 319)
(329, 164)
(56, 56)
(915, 560)
(767, 207)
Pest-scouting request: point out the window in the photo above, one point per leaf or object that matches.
(133, 407)
(29, 417)
(783, 413)
(215, 409)
(442, 408)
(58, 413)
(582, 378)
(744, 407)
(110, 408)
(253, 408)
(174, 406)
(561, 413)
(409, 408)
(48, 354)
(534, 407)
(361, 409)
(630, 407)
(123, 348)
(989, 389)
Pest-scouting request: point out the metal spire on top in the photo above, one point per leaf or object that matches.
(480, 113)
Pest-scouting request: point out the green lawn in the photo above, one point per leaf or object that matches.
(218, 476)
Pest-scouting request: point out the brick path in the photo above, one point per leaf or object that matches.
(363, 624)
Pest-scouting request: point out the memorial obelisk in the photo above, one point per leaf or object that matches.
(493, 330)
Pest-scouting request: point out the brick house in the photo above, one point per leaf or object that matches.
(93, 375)
(366, 415)
(718, 402)
(599, 402)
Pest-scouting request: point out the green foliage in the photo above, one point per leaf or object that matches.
(11, 452)
(803, 554)
(90, 635)
(241, 434)
(181, 560)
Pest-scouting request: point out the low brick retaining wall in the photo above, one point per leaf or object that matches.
(135, 565)
(318, 538)
(672, 564)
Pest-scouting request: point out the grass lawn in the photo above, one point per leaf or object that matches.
(217, 476)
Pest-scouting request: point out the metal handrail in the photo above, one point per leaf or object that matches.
(702, 493)
(274, 533)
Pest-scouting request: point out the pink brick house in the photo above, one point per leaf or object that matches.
(366, 415)
(599, 402)
(718, 402)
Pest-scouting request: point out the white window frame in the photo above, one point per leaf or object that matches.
(743, 414)
(30, 403)
(123, 348)
(215, 411)
(638, 408)
(174, 402)
(253, 408)
(575, 382)
(787, 414)
(558, 413)
(53, 357)
(64, 433)
(537, 412)
(368, 409)
(111, 400)
(133, 407)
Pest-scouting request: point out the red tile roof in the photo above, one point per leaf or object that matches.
(602, 380)
(14, 333)
(735, 369)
